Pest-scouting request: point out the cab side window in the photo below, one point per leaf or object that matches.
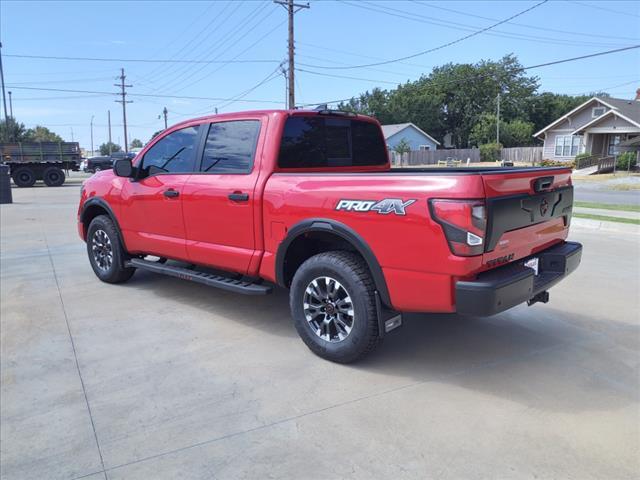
(175, 153)
(230, 147)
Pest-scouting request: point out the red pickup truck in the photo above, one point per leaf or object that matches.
(307, 200)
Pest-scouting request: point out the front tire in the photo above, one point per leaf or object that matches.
(106, 254)
(332, 301)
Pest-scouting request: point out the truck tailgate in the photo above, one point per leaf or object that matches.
(527, 211)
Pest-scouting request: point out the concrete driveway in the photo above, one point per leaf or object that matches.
(159, 378)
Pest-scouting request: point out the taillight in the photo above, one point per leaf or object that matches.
(464, 223)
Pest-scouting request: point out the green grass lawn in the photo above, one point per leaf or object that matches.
(605, 218)
(608, 206)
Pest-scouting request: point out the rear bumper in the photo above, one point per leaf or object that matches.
(499, 289)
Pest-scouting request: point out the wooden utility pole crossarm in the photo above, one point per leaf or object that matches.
(292, 8)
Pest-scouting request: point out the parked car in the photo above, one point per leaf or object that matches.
(96, 164)
(105, 162)
(307, 200)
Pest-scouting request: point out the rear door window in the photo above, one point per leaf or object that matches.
(316, 142)
(230, 147)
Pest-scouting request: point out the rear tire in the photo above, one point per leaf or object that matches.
(24, 177)
(106, 254)
(53, 177)
(336, 316)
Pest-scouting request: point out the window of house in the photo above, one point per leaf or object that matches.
(174, 153)
(614, 140)
(567, 145)
(597, 111)
(316, 142)
(230, 147)
(425, 147)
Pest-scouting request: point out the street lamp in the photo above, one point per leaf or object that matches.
(92, 135)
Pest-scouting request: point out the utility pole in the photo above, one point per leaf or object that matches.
(10, 105)
(71, 134)
(292, 8)
(4, 99)
(124, 102)
(283, 71)
(498, 120)
(165, 112)
(91, 124)
(109, 123)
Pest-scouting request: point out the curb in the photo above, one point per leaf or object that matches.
(605, 226)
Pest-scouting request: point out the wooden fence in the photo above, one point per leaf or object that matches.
(528, 155)
(432, 157)
(519, 155)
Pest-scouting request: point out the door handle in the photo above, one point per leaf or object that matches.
(238, 197)
(171, 193)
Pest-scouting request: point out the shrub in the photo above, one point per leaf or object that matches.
(555, 163)
(490, 152)
(626, 160)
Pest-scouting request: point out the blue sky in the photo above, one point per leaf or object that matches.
(329, 34)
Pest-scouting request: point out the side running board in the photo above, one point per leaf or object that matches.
(210, 279)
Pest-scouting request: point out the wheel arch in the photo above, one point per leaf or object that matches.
(93, 207)
(335, 234)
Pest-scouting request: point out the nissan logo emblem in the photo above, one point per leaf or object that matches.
(544, 207)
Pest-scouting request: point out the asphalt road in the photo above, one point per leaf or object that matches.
(586, 193)
(159, 378)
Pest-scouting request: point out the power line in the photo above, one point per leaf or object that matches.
(186, 30)
(73, 80)
(347, 77)
(415, 17)
(605, 9)
(444, 45)
(152, 95)
(515, 70)
(534, 27)
(137, 60)
(274, 74)
(211, 29)
(226, 38)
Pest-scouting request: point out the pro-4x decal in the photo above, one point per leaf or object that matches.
(383, 207)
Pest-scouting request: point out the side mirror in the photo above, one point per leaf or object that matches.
(123, 167)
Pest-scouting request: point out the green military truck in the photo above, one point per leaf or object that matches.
(46, 161)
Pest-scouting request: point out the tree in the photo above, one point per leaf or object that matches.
(402, 147)
(105, 150)
(155, 134)
(12, 130)
(516, 133)
(136, 143)
(452, 98)
(41, 134)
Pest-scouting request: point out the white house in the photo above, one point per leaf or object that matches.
(597, 127)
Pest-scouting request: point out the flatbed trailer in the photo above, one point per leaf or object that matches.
(46, 161)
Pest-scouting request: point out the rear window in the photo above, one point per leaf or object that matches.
(316, 142)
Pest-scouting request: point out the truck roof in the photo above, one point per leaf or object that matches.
(277, 112)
